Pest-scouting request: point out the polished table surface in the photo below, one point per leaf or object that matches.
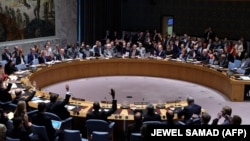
(46, 75)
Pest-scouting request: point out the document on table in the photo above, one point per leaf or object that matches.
(245, 77)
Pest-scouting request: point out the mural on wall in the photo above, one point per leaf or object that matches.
(26, 19)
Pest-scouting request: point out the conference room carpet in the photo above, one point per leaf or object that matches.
(130, 89)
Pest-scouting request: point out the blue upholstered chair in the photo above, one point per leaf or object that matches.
(152, 122)
(100, 136)
(135, 137)
(40, 132)
(100, 126)
(66, 123)
(72, 135)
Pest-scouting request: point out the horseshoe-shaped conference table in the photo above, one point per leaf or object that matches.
(190, 72)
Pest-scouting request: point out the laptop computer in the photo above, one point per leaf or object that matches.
(56, 124)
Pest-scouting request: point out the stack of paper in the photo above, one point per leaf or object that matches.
(245, 77)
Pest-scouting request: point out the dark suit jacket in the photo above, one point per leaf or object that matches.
(43, 120)
(58, 57)
(58, 107)
(31, 57)
(5, 56)
(137, 53)
(21, 134)
(151, 117)
(18, 59)
(102, 114)
(161, 54)
(16, 99)
(97, 53)
(42, 60)
(189, 110)
(4, 94)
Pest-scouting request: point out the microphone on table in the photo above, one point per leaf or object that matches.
(142, 103)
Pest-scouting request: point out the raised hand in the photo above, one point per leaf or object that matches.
(112, 93)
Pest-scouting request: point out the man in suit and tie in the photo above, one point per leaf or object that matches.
(6, 55)
(188, 111)
(42, 59)
(160, 52)
(98, 49)
(134, 53)
(141, 49)
(109, 52)
(245, 64)
(32, 55)
(61, 56)
(101, 114)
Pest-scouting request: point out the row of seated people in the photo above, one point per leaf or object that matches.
(22, 109)
(189, 115)
(174, 46)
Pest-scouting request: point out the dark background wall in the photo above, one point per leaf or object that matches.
(99, 16)
(227, 18)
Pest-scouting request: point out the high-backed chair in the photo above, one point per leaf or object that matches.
(100, 126)
(135, 137)
(31, 113)
(100, 136)
(152, 122)
(72, 135)
(12, 139)
(4, 105)
(66, 123)
(40, 132)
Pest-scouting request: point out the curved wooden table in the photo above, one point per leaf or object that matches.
(233, 89)
(214, 79)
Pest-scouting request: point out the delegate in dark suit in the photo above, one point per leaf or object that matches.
(103, 115)
(43, 120)
(61, 57)
(58, 107)
(99, 51)
(6, 56)
(4, 92)
(31, 57)
(189, 110)
(150, 115)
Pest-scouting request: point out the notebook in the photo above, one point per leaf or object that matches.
(56, 124)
